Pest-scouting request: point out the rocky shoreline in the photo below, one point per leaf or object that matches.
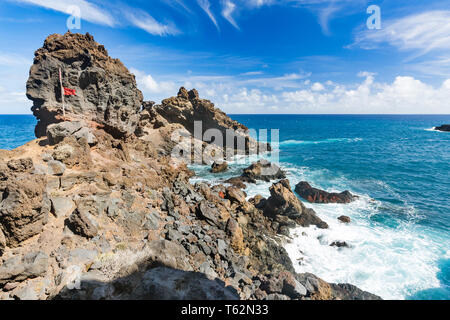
(97, 207)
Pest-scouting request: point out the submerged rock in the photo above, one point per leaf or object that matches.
(315, 195)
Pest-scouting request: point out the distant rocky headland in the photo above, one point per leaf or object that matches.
(444, 127)
(97, 207)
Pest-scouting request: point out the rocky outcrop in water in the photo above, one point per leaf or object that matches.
(219, 166)
(262, 170)
(88, 213)
(315, 195)
(444, 127)
(283, 203)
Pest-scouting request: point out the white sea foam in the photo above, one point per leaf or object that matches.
(391, 261)
(308, 142)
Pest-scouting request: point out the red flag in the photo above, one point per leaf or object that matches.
(69, 92)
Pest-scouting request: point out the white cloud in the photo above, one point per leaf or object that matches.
(206, 6)
(403, 95)
(89, 11)
(149, 24)
(421, 33)
(317, 86)
(152, 89)
(227, 11)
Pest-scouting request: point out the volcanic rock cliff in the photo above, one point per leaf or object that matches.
(106, 91)
(96, 208)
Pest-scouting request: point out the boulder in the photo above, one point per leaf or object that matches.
(164, 283)
(314, 195)
(106, 91)
(57, 132)
(263, 170)
(282, 201)
(209, 212)
(56, 168)
(20, 268)
(24, 209)
(444, 127)
(62, 206)
(235, 195)
(169, 254)
(239, 182)
(83, 224)
(344, 219)
(219, 166)
(21, 165)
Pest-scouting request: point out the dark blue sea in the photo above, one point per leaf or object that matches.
(400, 168)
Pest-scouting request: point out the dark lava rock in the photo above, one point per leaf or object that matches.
(315, 195)
(106, 91)
(282, 201)
(444, 127)
(340, 244)
(263, 170)
(344, 219)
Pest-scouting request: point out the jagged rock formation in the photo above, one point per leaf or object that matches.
(315, 195)
(106, 91)
(87, 214)
(261, 170)
(214, 126)
(283, 203)
(219, 166)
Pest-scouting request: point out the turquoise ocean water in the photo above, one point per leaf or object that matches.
(400, 168)
(400, 230)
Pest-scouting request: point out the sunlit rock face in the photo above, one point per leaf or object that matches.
(106, 91)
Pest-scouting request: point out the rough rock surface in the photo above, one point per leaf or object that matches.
(263, 170)
(444, 127)
(315, 195)
(344, 219)
(106, 91)
(283, 202)
(219, 166)
(123, 221)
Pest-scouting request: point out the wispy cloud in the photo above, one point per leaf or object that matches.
(421, 33)
(206, 6)
(89, 11)
(11, 60)
(227, 11)
(149, 24)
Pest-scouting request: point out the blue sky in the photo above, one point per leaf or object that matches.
(252, 56)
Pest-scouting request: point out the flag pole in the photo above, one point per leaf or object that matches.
(62, 92)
